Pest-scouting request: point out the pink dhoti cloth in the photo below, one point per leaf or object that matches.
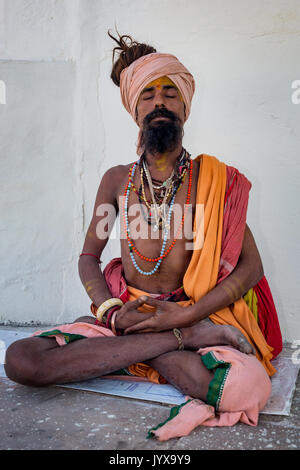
(238, 391)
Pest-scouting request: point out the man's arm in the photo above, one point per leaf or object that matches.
(97, 237)
(247, 273)
(92, 278)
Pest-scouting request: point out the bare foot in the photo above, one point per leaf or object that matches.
(205, 333)
(236, 339)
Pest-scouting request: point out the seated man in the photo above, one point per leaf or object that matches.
(197, 315)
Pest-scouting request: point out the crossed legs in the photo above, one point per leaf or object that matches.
(40, 361)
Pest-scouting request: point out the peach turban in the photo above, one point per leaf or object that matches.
(149, 67)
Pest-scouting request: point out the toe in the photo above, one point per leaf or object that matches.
(245, 346)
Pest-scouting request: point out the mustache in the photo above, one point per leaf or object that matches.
(160, 112)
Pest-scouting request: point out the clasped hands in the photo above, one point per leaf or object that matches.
(168, 315)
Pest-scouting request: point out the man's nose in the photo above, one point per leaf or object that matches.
(159, 100)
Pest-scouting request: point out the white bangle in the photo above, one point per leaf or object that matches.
(113, 302)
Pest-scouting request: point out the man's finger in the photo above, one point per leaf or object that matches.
(147, 330)
(139, 326)
(134, 304)
(153, 301)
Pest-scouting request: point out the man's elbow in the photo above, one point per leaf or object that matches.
(254, 272)
(257, 273)
(260, 272)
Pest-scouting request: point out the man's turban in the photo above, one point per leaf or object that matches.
(149, 67)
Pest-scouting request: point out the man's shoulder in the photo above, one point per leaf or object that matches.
(118, 169)
(116, 173)
(114, 178)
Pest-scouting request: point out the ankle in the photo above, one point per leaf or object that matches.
(187, 337)
(178, 335)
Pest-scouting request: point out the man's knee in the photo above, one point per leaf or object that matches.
(22, 363)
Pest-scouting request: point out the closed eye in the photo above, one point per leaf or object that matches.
(147, 96)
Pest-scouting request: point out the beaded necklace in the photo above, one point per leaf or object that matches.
(176, 177)
(130, 243)
(163, 252)
(166, 196)
(159, 210)
(171, 184)
(159, 201)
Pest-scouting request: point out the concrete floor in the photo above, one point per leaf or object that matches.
(56, 418)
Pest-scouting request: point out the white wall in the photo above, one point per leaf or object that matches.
(63, 125)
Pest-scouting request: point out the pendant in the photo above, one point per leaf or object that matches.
(166, 229)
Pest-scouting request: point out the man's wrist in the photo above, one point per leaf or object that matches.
(107, 305)
(108, 315)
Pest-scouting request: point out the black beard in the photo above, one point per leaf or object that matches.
(161, 136)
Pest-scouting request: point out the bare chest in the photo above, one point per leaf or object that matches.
(146, 249)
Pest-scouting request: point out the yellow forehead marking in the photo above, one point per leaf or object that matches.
(160, 82)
